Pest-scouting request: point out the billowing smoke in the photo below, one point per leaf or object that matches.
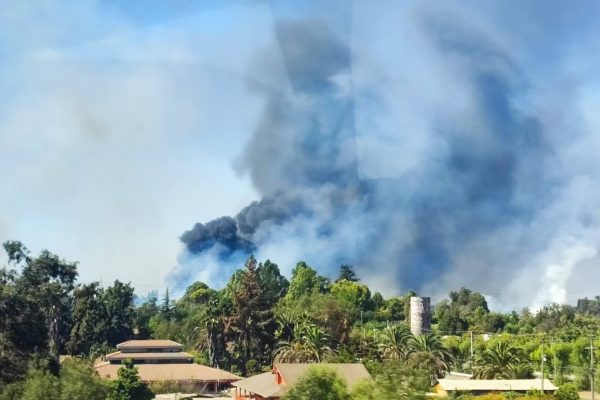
(222, 232)
(435, 161)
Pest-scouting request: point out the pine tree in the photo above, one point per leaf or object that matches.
(166, 307)
(128, 385)
(347, 273)
(253, 320)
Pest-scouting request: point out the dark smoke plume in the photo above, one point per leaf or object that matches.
(222, 232)
(434, 170)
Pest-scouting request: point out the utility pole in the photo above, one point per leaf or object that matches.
(362, 327)
(592, 366)
(471, 334)
(543, 359)
(554, 361)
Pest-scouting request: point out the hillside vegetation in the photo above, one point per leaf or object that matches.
(260, 317)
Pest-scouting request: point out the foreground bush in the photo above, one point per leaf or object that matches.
(128, 385)
(567, 392)
(393, 380)
(172, 387)
(320, 383)
(77, 381)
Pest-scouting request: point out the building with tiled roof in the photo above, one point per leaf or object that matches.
(273, 385)
(164, 360)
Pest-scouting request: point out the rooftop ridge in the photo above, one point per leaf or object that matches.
(149, 343)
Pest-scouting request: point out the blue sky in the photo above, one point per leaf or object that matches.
(432, 145)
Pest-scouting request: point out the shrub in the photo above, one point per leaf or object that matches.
(320, 383)
(12, 391)
(79, 381)
(40, 384)
(567, 392)
(582, 381)
(173, 387)
(128, 385)
(392, 380)
(490, 396)
(252, 367)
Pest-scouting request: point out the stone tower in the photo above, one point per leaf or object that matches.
(420, 315)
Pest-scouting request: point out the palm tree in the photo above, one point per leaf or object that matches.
(285, 326)
(310, 343)
(209, 338)
(502, 361)
(428, 351)
(394, 342)
(316, 342)
(292, 350)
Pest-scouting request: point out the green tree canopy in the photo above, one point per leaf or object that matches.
(90, 319)
(320, 383)
(567, 392)
(305, 281)
(144, 314)
(128, 385)
(465, 306)
(353, 293)
(253, 321)
(40, 384)
(79, 381)
(393, 380)
(394, 342)
(347, 273)
(274, 285)
(503, 361)
(198, 292)
(101, 316)
(118, 300)
(35, 296)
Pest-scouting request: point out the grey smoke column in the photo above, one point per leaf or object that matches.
(413, 160)
(420, 315)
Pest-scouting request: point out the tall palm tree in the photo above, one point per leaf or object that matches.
(429, 351)
(207, 336)
(394, 342)
(212, 327)
(292, 350)
(316, 342)
(502, 361)
(285, 326)
(309, 343)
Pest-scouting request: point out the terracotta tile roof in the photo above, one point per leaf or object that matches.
(266, 386)
(262, 384)
(180, 355)
(350, 373)
(148, 344)
(171, 372)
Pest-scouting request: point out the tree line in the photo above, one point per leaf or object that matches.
(260, 317)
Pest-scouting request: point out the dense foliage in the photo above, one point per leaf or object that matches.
(391, 380)
(260, 317)
(318, 383)
(77, 381)
(128, 385)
